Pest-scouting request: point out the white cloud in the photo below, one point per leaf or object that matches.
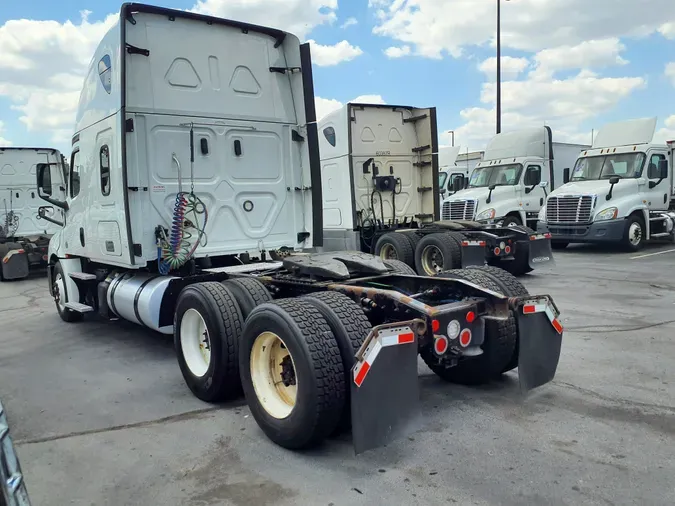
(511, 67)
(42, 68)
(670, 72)
(3, 141)
(325, 106)
(586, 55)
(298, 17)
(397, 52)
(349, 22)
(326, 56)
(563, 104)
(668, 30)
(667, 132)
(434, 27)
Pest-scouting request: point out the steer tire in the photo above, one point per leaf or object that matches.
(222, 317)
(511, 287)
(399, 243)
(67, 315)
(249, 293)
(350, 326)
(446, 245)
(312, 413)
(398, 267)
(498, 346)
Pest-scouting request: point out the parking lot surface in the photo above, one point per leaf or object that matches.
(101, 415)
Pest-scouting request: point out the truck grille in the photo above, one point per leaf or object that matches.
(459, 210)
(569, 209)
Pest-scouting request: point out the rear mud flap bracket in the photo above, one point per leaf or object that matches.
(384, 385)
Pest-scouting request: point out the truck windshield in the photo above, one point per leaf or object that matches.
(498, 175)
(624, 165)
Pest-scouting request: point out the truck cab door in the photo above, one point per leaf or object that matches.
(73, 237)
(533, 194)
(656, 191)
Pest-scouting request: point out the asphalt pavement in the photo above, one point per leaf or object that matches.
(101, 416)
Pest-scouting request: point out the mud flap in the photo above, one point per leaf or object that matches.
(540, 251)
(539, 341)
(473, 253)
(385, 388)
(15, 265)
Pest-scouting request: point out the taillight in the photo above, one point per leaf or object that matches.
(465, 338)
(470, 316)
(441, 345)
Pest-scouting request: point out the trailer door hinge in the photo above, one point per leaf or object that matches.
(137, 188)
(422, 164)
(295, 135)
(421, 148)
(414, 118)
(302, 236)
(304, 188)
(421, 189)
(423, 216)
(137, 50)
(282, 70)
(129, 125)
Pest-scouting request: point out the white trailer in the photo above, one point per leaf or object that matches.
(195, 158)
(620, 191)
(24, 234)
(509, 186)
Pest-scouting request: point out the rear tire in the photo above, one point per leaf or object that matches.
(248, 292)
(207, 326)
(350, 326)
(498, 347)
(61, 296)
(395, 246)
(398, 267)
(436, 253)
(511, 287)
(298, 401)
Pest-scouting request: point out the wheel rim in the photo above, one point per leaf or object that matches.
(388, 252)
(195, 342)
(58, 291)
(432, 260)
(635, 233)
(273, 375)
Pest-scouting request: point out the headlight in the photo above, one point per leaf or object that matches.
(488, 214)
(608, 214)
(542, 215)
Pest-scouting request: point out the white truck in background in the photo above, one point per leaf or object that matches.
(449, 170)
(510, 185)
(620, 191)
(24, 235)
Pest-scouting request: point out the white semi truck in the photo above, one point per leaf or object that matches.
(510, 185)
(24, 235)
(449, 170)
(620, 191)
(195, 158)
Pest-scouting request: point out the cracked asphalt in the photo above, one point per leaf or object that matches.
(100, 414)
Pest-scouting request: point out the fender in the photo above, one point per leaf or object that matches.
(645, 216)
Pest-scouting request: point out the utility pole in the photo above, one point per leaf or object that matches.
(499, 68)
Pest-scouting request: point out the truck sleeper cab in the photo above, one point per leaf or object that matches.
(25, 223)
(180, 202)
(620, 191)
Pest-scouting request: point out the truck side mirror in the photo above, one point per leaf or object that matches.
(44, 185)
(566, 175)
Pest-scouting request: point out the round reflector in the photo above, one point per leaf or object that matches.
(465, 337)
(435, 325)
(470, 316)
(441, 345)
(497, 251)
(507, 250)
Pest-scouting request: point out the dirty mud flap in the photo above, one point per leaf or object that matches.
(385, 387)
(539, 341)
(473, 253)
(540, 252)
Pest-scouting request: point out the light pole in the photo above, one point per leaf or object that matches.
(499, 66)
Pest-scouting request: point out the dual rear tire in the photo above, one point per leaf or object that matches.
(292, 358)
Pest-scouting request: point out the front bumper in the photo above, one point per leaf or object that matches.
(601, 231)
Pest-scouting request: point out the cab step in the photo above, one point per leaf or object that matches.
(82, 276)
(78, 307)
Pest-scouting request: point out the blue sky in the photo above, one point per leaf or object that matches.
(572, 64)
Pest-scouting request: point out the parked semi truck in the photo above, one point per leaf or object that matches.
(380, 174)
(24, 236)
(510, 185)
(201, 143)
(620, 191)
